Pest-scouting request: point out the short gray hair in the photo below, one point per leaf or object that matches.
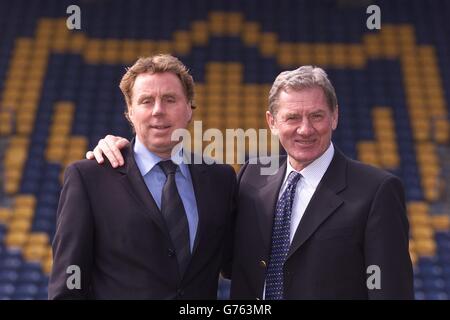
(302, 78)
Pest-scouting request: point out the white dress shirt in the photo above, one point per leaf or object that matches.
(306, 186)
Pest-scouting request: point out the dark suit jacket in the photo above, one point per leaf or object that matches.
(109, 225)
(356, 218)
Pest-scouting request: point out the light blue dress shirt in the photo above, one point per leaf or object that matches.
(155, 178)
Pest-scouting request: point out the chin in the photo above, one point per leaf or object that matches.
(306, 158)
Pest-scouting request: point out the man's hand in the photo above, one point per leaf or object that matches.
(110, 147)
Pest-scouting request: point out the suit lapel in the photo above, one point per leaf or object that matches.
(267, 200)
(324, 202)
(134, 182)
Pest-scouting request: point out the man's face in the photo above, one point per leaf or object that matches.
(158, 107)
(304, 124)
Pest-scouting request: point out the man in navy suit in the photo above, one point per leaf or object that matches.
(322, 226)
(151, 229)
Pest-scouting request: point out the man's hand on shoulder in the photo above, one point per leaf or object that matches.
(110, 147)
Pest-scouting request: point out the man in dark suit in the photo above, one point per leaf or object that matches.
(150, 229)
(322, 226)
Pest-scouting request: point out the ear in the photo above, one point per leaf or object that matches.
(271, 123)
(130, 110)
(335, 118)
(190, 113)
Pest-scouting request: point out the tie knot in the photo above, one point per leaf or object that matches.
(293, 178)
(168, 167)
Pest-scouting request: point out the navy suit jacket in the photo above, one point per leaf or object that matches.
(109, 225)
(355, 219)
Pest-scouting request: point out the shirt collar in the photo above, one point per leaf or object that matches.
(313, 173)
(147, 160)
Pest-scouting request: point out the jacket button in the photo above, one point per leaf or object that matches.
(262, 264)
(180, 293)
(171, 253)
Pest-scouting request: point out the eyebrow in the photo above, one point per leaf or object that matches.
(169, 94)
(144, 96)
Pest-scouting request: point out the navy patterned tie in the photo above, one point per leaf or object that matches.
(173, 212)
(280, 239)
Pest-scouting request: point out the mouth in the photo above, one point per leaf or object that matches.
(159, 127)
(305, 143)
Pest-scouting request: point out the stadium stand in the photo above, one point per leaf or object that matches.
(59, 95)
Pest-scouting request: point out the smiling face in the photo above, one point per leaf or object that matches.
(158, 107)
(304, 123)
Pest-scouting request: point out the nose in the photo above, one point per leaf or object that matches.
(305, 128)
(157, 108)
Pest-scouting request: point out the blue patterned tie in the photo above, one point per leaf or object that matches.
(280, 239)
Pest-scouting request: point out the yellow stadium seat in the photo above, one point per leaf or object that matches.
(431, 195)
(5, 215)
(55, 141)
(426, 158)
(34, 252)
(5, 128)
(24, 212)
(422, 232)
(215, 77)
(60, 129)
(200, 32)
(233, 89)
(425, 247)
(182, 42)
(12, 94)
(440, 222)
(233, 23)
(78, 42)
(164, 46)
(417, 207)
(47, 265)
(213, 89)
(217, 23)
(419, 220)
(55, 154)
(146, 48)
(429, 182)
(268, 44)
(251, 33)
(372, 45)
(213, 122)
(19, 224)
(16, 239)
(430, 169)
(215, 67)
(14, 174)
(25, 200)
(233, 122)
(304, 53)
(232, 100)
(112, 53)
(231, 79)
(78, 141)
(390, 161)
(214, 101)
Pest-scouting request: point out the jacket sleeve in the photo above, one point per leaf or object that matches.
(73, 242)
(229, 246)
(386, 245)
